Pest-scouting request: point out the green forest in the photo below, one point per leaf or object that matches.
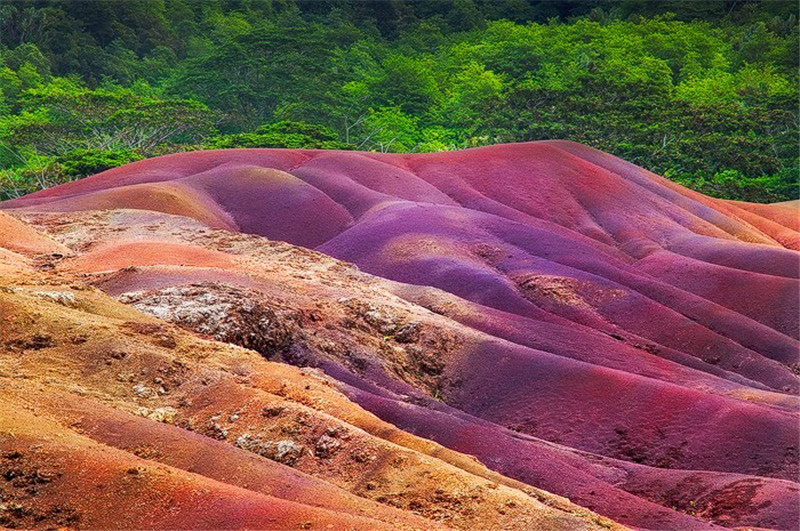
(702, 92)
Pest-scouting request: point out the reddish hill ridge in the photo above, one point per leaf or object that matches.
(603, 333)
(112, 419)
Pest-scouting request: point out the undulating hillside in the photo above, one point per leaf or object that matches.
(331, 339)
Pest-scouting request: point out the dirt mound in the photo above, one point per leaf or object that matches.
(112, 419)
(19, 237)
(143, 253)
(573, 321)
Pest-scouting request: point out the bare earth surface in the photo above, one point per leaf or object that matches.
(511, 326)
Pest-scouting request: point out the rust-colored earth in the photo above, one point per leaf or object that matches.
(520, 337)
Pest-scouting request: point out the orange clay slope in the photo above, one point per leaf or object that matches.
(573, 321)
(301, 307)
(110, 419)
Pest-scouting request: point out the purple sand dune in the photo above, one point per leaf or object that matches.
(636, 343)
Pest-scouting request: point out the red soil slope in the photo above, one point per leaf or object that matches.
(603, 333)
(110, 419)
(16, 236)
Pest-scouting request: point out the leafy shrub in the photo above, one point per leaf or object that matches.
(83, 162)
(285, 134)
(38, 172)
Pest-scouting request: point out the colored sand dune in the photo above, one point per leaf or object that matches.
(577, 324)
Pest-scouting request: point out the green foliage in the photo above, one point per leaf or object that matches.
(705, 93)
(37, 171)
(285, 134)
(732, 184)
(83, 162)
(256, 71)
(64, 114)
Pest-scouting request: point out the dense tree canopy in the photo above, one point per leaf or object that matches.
(705, 93)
